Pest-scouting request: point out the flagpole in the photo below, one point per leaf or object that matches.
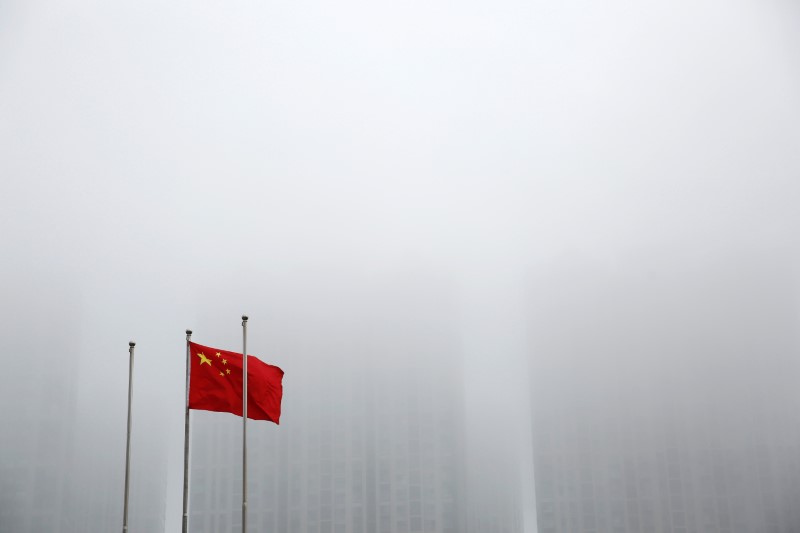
(185, 519)
(128, 443)
(244, 424)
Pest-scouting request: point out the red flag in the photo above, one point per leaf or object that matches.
(215, 384)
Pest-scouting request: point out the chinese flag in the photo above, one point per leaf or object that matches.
(215, 384)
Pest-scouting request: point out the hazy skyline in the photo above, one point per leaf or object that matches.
(164, 166)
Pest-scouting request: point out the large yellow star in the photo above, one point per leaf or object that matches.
(204, 359)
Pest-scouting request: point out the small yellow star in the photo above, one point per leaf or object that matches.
(217, 354)
(224, 361)
(227, 370)
(204, 359)
(221, 374)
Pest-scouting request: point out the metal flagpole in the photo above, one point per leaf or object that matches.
(244, 424)
(128, 445)
(185, 526)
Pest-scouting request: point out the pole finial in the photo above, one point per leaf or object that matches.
(244, 318)
(189, 332)
(131, 344)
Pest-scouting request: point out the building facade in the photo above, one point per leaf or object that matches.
(371, 437)
(39, 394)
(667, 403)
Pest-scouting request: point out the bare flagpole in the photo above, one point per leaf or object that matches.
(128, 444)
(244, 424)
(185, 520)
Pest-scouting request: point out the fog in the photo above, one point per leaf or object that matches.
(526, 266)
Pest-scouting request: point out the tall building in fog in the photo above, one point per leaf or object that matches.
(371, 439)
(666, 402)
(356, 453)
(38, 392)
(61, 470)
